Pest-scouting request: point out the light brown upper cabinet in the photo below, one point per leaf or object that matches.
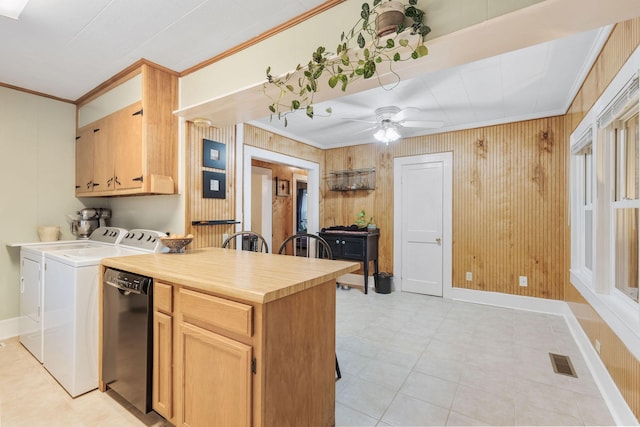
(127, 139)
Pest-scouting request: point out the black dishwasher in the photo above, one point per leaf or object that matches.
(127, 336)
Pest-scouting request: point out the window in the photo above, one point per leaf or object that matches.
(626, 205)
(605, 202)
(582, 152)
(619, 147)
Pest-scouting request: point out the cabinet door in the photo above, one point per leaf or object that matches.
(162, 364)
(216, 379)
(335, 243)
(353, 248)
(84, 159)
(127, 143)
(103, 155)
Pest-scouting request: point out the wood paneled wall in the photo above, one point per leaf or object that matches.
(509, 207)
(199, 208)
(623, 367)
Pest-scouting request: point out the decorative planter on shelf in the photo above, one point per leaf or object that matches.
(391, 14)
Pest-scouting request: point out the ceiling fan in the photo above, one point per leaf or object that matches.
(391, 120)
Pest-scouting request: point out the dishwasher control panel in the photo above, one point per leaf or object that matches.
(127, 281)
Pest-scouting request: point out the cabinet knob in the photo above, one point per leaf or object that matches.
(438, 240)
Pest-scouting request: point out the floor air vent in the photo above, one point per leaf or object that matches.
(562, 365)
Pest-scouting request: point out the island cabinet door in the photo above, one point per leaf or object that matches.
(162, 389)
(216, 379)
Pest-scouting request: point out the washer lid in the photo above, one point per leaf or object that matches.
(40, 249)
(89, 256)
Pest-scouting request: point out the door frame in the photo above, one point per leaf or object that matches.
(447, 215)
(313, 182)
(266, 219)
(294, 193)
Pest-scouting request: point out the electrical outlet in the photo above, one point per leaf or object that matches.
(598, 346)
(225, 236)
(523, 281)
(469, 276)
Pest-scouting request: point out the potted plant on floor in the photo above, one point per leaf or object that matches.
(380, 36)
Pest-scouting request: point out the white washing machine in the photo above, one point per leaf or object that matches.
(70, 338)
(32, 281)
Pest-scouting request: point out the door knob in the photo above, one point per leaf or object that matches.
(438, 240)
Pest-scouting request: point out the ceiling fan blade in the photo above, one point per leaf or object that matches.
(350, 119)
(428, 124)
(365, 130)
(405, 114)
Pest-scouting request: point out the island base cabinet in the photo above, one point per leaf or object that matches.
(216, 372)
(298, 363)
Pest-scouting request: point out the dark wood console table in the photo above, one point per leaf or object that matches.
(355, 246)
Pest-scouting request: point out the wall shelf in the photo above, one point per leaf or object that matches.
(215, 222)
(352, 180)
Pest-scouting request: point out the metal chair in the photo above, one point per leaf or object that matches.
(306, 245)
(310, 246)
(251, 241)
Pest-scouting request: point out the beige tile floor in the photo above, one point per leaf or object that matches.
(413, 360)
(406, 360)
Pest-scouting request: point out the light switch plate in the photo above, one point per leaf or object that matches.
(523, 281)
(469, 276)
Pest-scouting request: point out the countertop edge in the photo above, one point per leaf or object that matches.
(242, 294)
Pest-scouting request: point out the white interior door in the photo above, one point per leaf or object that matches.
(422, 241)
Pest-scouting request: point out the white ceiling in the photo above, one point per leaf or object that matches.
(66, 48)
(539, 81)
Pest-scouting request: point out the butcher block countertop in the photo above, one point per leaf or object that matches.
(248, 276)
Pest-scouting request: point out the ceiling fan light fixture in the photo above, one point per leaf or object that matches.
(387, 133)
(12, 8)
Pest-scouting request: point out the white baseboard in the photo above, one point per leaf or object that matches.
(619, 408)
(8, 328)
(518, 302)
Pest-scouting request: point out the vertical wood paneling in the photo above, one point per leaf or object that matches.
(199, 208)
(508, 202)
(622, 365)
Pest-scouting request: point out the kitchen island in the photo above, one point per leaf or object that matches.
(241, 338)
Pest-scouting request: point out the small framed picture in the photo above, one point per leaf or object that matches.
(214, 185)
(214, 154)
(282, 187)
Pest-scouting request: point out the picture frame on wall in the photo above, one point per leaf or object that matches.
(214, 185)
(283, 187)
(214, 154)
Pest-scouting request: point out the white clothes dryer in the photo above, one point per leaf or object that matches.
(32, 281)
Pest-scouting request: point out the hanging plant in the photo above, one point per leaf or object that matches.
(296, 91)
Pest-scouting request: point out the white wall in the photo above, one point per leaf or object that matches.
(37, 169)
(37, 179)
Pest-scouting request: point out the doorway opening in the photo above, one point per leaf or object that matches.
(300, 203)
(311, 195)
